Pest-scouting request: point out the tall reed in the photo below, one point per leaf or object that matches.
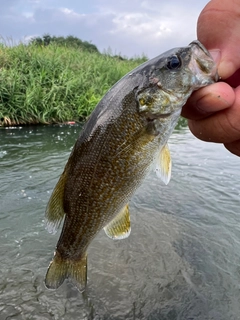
(54, 83)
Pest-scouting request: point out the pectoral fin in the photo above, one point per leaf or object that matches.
(164, 165)
(54, 211)
(119, 228)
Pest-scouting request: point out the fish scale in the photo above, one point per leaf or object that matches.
(126, 133)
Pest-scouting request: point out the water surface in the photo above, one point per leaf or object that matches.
(181, 261)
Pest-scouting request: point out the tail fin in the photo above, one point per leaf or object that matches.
(61, 269)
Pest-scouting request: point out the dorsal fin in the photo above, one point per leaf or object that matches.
(54, 211)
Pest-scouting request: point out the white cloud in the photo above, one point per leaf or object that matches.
(140, 25)
(128, 27)
(67, 11)
(28, 14)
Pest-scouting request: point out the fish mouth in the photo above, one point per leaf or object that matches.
(201, 46)
(204, 63)
(165, 115)
(153, 117)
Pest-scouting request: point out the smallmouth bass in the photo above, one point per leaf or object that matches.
(125, 134)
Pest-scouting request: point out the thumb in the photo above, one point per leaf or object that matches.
(218, 27)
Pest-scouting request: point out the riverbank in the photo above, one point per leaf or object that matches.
(55, 84)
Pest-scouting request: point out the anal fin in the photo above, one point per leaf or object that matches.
(119, 228)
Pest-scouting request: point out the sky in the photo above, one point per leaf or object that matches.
(126, 27)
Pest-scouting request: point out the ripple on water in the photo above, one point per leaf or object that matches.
(182, 260)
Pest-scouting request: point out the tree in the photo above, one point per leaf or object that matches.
(69, 41)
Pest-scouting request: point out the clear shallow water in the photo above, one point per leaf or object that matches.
(181, 261)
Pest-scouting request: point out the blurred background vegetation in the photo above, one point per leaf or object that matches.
(69, 41)
(55, 79)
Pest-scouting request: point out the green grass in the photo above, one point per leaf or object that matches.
(54, 83)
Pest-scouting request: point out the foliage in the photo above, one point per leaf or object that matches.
(54, 83)
(69, 41)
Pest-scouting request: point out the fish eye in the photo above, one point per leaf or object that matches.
(174, 62)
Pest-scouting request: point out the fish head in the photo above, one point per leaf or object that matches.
(172, 77)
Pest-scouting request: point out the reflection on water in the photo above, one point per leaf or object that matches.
(182, 260)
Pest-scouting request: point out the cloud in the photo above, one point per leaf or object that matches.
(128, 27)
(151, 28)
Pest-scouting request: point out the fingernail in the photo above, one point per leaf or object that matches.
(216, 55)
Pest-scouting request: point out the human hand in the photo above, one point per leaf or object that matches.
(214, 111)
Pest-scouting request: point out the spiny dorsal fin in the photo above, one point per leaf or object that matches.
(54, 211)
(119, 228)
(164, 164)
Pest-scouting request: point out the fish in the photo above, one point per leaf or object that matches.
(125, 136)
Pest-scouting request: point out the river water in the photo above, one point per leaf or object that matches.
(181, 261)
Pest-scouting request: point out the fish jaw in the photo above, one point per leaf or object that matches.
(202, 65)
